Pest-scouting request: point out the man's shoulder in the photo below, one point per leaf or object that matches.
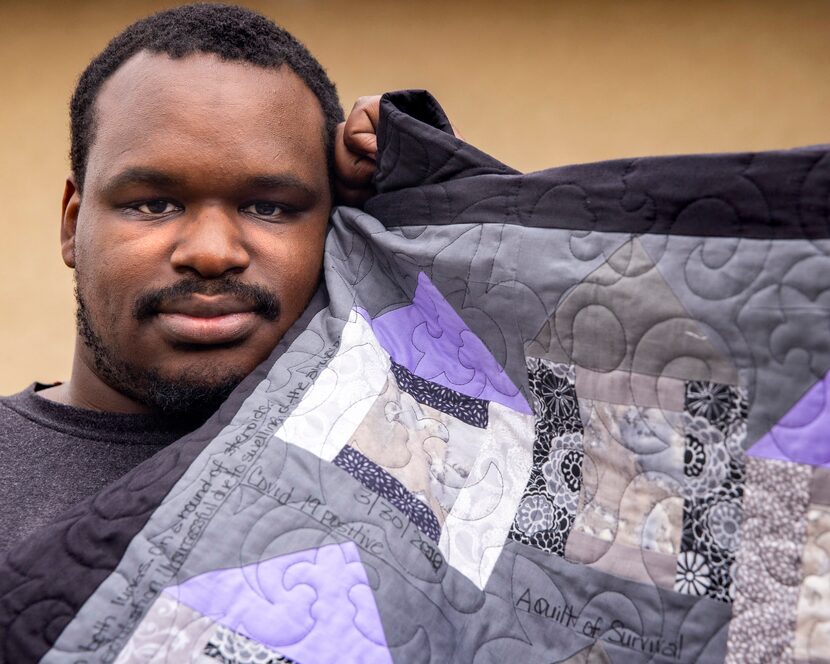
(25, 413)
(20, 408)
(53, 455)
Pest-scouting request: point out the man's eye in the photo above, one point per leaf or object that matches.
(263, 209)
(159, 206)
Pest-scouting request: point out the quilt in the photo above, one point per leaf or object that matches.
(580, 415)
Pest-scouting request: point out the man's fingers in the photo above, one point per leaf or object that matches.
(351, 168)
(363, 143)
(355, 152)
(353, 172)
(360, 131)
(352, 197)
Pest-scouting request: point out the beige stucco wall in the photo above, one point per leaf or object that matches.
(536, 84)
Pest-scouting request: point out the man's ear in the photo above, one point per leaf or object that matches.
(70, 208)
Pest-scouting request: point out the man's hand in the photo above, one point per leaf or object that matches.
(355, 151)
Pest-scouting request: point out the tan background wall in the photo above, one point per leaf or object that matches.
(536, 84)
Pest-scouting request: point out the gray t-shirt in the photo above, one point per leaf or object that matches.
(53, 456)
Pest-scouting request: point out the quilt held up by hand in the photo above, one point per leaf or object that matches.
(580, 415)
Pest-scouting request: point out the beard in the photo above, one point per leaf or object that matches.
(193, 394)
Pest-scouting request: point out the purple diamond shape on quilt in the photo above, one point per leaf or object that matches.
(801, 435)
(312, 606)
(430, 339)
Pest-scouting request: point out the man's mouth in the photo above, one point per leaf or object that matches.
(207, 319)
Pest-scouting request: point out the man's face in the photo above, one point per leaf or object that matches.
(198, 239)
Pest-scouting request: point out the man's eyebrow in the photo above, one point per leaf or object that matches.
(139, 176)
(147, 176)
(277, 182)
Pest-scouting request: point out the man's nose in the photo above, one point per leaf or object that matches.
(210, 242)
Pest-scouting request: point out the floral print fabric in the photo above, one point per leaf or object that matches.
(228, 647)
(714, 470)
(548, 507)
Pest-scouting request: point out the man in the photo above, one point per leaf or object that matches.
(204, 143)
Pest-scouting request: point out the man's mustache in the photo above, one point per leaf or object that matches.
(263, 302)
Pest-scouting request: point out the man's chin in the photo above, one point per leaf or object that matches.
(193, 391)
(190, 395)
(187, 397)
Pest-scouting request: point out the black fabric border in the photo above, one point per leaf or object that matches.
(780, 194)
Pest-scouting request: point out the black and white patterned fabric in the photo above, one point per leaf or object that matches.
(465, 408)
(548, 507)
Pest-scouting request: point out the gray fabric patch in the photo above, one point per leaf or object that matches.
(625, 317)
(625, 388)
(768, 575)
(763, 303)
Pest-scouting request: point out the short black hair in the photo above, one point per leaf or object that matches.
(233, 33)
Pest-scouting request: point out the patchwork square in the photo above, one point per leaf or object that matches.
(812, 629)
(633, 463)
(714, 463)
(458, 483)
(548, 507)
(340, 397)
(428, 452)
(767, 572)
(310, 605)
(629, 518)
(478, 525)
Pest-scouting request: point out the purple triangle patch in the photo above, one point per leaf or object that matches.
(312, 606)
(803, 434)
(430, 339)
